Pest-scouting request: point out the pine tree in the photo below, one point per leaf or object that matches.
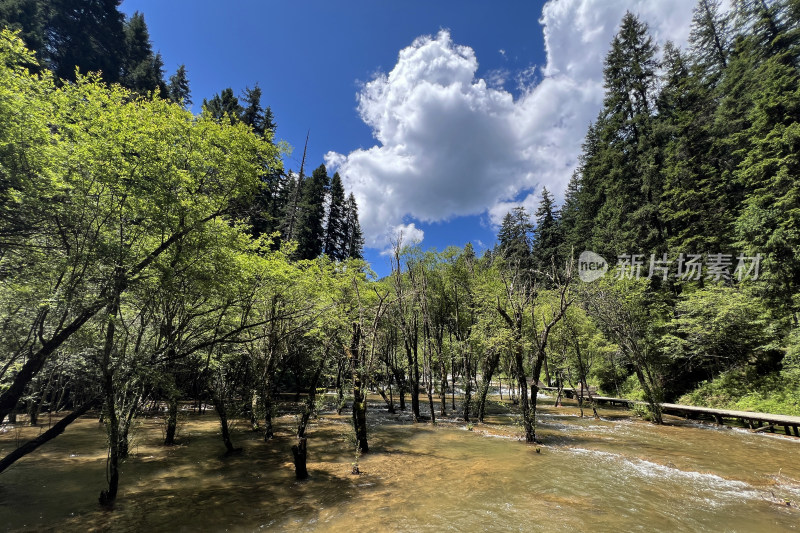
(335, 229)
(547, 238)
(223, 106)
(770, 174)
(269, 122)
(693, 184)
(142, 70)
(572, 233)
(710, 38)
(768, 25)
(354, 239)
(178, 89)
(620, 172)
(513, 237)
(85, 34)
(252, 113)
(311, 216)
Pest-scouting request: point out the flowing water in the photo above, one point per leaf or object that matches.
(613, 474)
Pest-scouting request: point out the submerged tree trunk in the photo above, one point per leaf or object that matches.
(443, 391)
(489, 368)
(467, 387)
(559, 388)
(527, 416)
(221, 409)
(300, 449)
(300, 456)
(583, 372)
(172, 421)
(339, 388)
(359, 395)
(430, 395)
(108, 495)
(452, 381)
(387, 400)
(414, 370)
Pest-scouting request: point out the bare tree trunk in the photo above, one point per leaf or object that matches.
(359, 395)
(453, 382)
(172, 420)
(467, 387)
(300, 450)
(414, 366)
(108, 496)
(582, 376)
(443, 391)
(220, 407)
(488, 371)
(389, 403)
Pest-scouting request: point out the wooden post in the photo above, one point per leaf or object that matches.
(718, 419)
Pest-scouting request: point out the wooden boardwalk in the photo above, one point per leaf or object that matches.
(755, 421)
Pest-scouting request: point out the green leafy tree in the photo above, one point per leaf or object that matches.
(121, 219)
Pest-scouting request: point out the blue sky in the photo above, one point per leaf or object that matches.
(440, 116)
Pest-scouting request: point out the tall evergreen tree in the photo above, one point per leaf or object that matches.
(86, 34)
(768, 24)
(311, 217)
(620, 171)
(223, 106)
(178, 89)
(354, 239)
(693, 184)
(572, 234)
(770, 174)
(547, 238)
(710, 38)
(142, 70)
(514, 236)
(252, 113)
(335, 230)
(269, 122)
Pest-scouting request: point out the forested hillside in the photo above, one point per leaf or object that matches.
(152, 258)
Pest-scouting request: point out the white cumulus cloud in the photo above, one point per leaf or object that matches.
(452, 144)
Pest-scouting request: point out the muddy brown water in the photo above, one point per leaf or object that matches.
(613, 474)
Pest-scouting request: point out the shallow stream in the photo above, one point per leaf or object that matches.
(614, 474)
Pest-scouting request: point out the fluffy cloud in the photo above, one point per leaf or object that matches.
(405, 234)
(451, 144)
